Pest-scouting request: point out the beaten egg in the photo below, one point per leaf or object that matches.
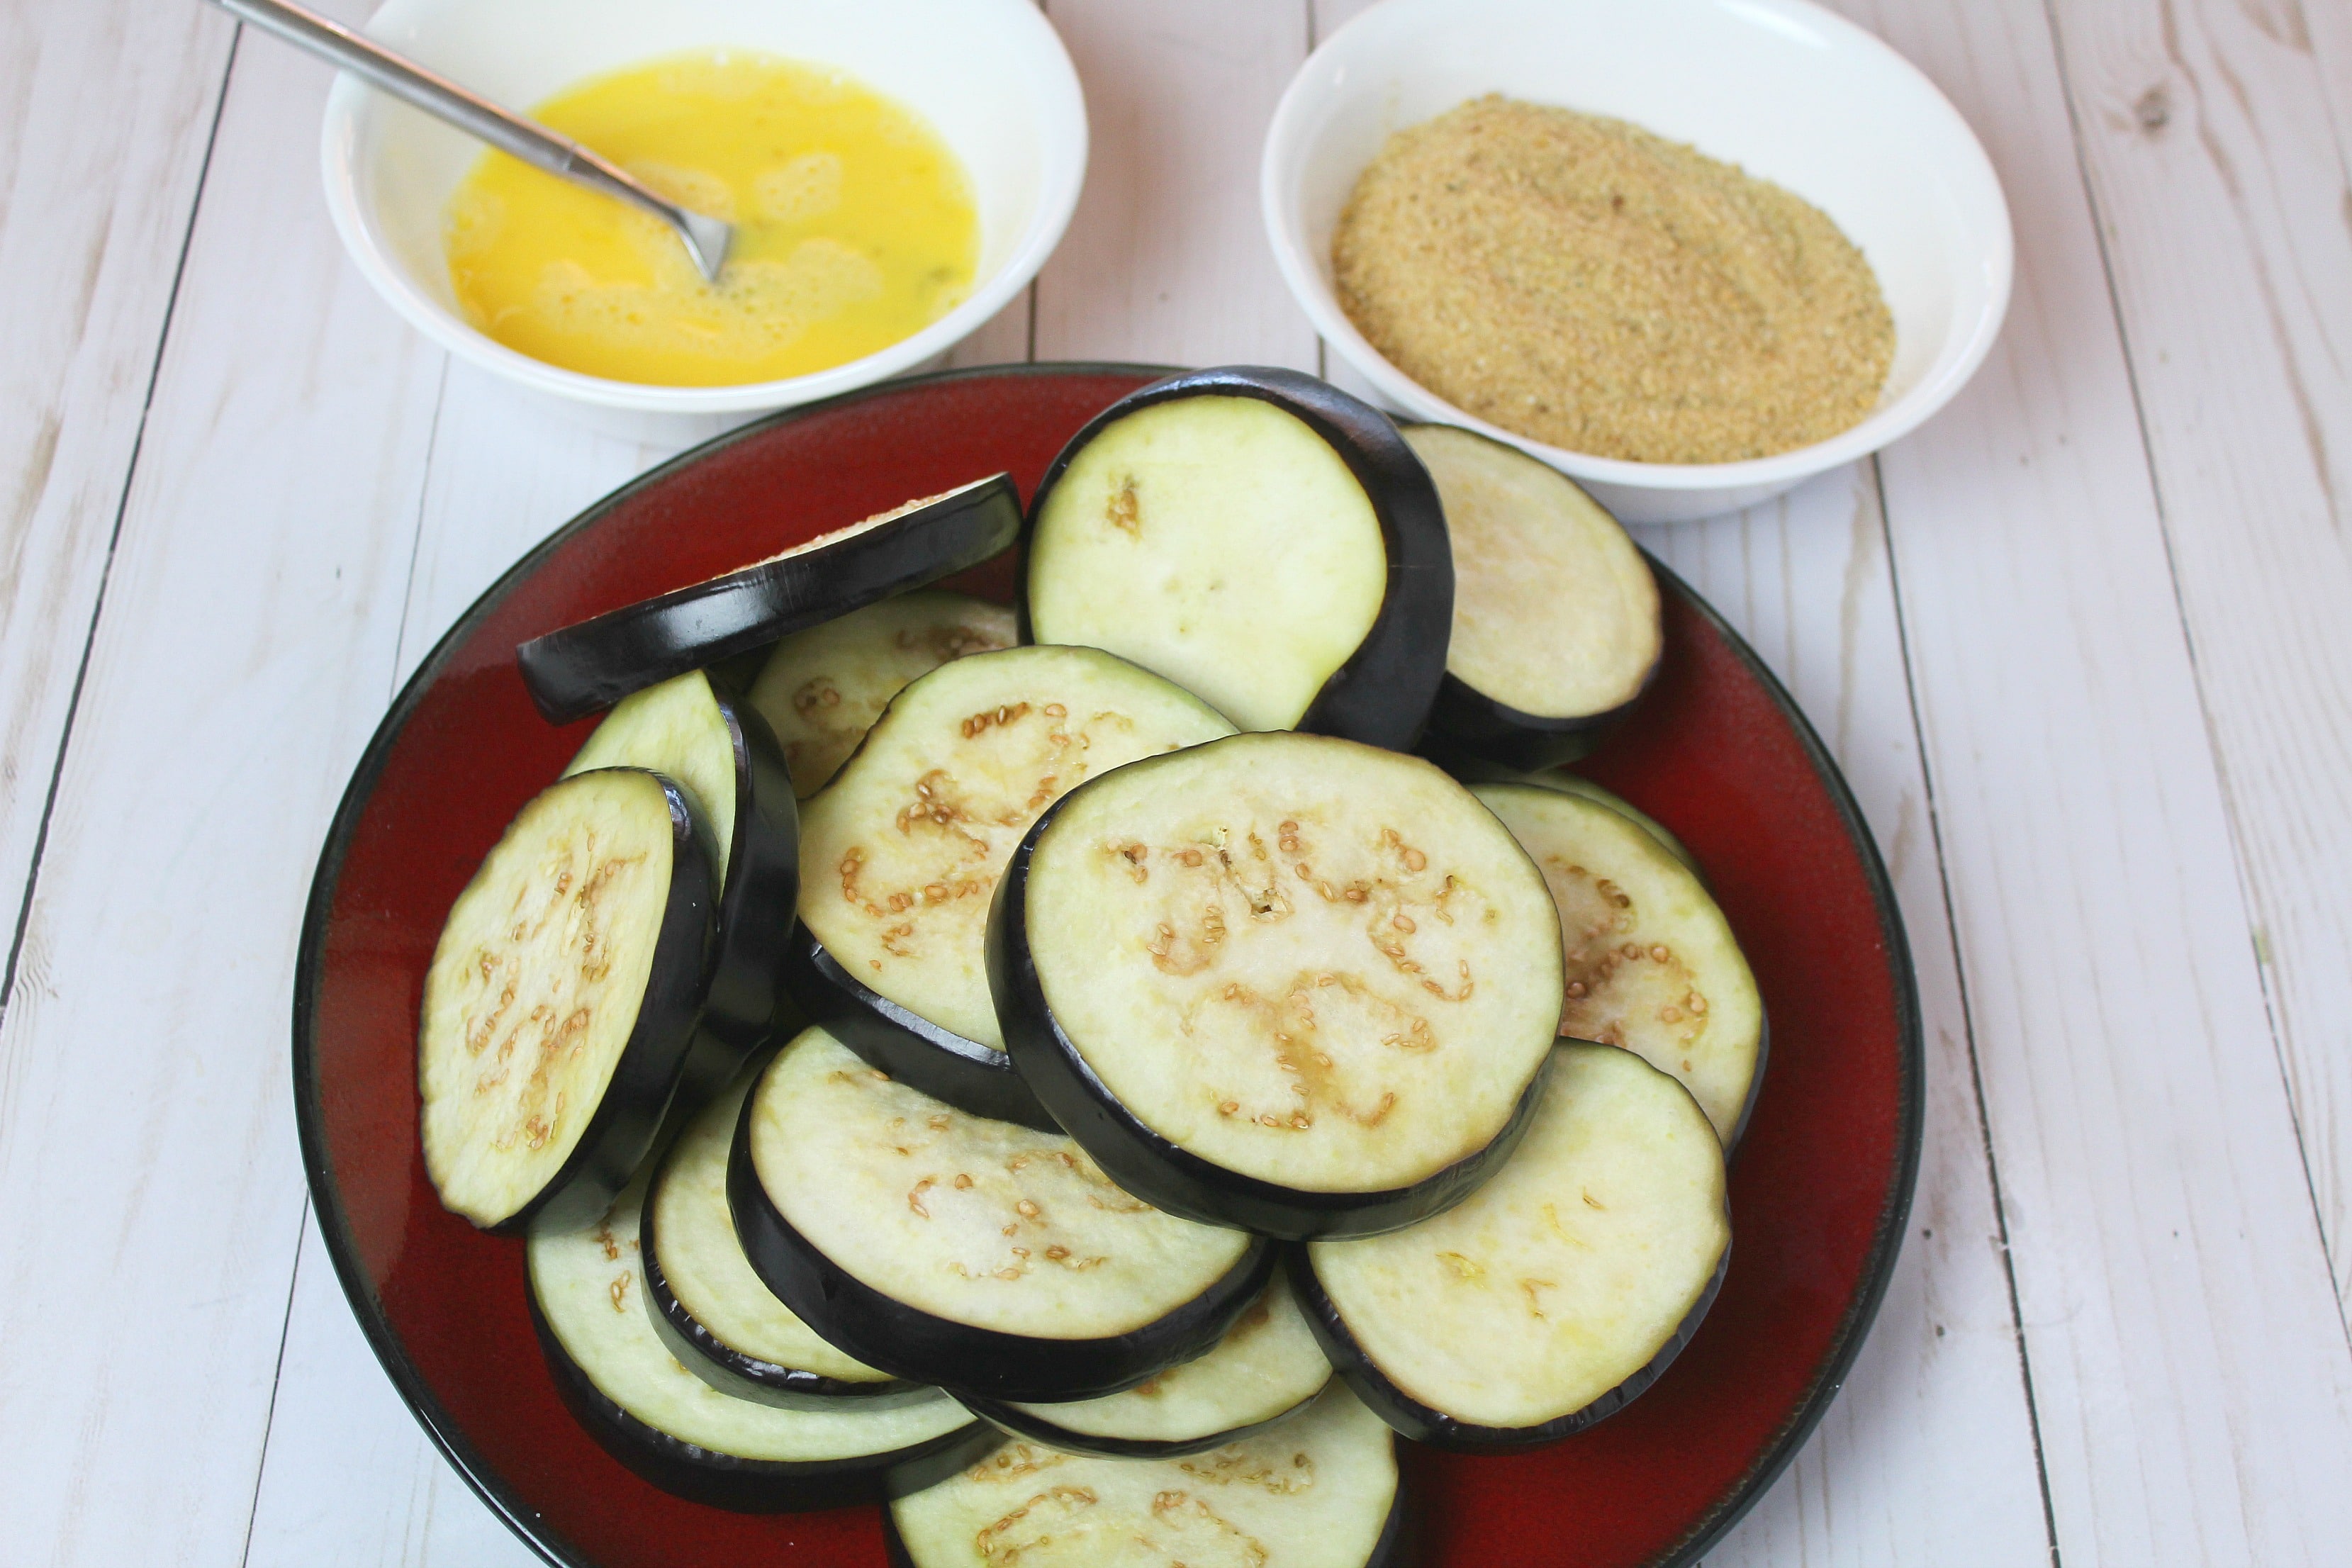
(854, 226)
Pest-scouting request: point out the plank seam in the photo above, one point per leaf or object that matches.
(2249, 897)
(113, 539)
(276, 1381)
(1968, 1015)
(416, 539)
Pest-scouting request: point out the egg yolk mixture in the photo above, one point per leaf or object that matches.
(854, 226)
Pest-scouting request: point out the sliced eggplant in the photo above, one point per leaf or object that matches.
(574, 671)
(1282, 982)
(560, 1010)
(1317, 1490)
(1267, 1366)
(1651, 965)
(1572, 783)
(900, 853)
(709, 1308)
(621, 1381)
(1256, 536)
(1559, 1291)
(822, 689)
(939, 1244)
(723, 755)
(1556, 628)
(1475, 771)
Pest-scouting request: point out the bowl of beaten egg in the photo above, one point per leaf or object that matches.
(1566, 347)
(896, 170)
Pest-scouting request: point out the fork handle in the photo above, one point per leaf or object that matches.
(438, 96)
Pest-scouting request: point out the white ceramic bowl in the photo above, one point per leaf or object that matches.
(1787, 91)
(990, 75)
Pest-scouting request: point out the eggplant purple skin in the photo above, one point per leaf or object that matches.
(734, 1373)
(576, 669)
(1395, 1549)
(1164, 1173)
(754, 920)
(659, 1055)
(896, 1040)
(754, 1485)
(1029, 1425)
(1382, 694)
(1411, 1418)
(1466, 718)
(1485, 727)
(908, 1342)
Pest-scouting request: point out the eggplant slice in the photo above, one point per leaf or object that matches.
(559, 1013)
(900, 853)
(1317, 1491)
(1651, 965)
(821, 689)
(1281, 981)
(1556, 628)
(1267, 1366)
(938, 1245)
(1259, 537)
(621, 1381)
(723, 755)
(1475, 771)
(574, 671)
(711, 1308)
(1557, 1293)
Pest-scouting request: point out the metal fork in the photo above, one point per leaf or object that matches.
(705, 239)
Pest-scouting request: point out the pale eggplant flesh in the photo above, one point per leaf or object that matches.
(901, 850)
(620, 1381)
(1559, 1293)
(1267, 1367)
(721, 751)
(1091, 1292)
(708, 1306)
(1320, 1489)
(574, 671)
(1557, 629)
(1339, 1026)
(1347, 638)
(560, 1012)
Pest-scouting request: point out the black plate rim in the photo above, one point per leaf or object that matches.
(326, 1198)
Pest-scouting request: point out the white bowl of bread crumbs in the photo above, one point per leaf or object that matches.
(1689, 252)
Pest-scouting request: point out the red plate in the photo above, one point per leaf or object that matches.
(1718, 753)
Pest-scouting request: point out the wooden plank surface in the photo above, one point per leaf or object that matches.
(2088, 647)
(146, 1145)
(1165, 261)
(94, 209)
(2192, 1384)
(1932, 1425)
(2226, 209)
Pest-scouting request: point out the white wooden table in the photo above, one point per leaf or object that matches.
(2084, 646)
